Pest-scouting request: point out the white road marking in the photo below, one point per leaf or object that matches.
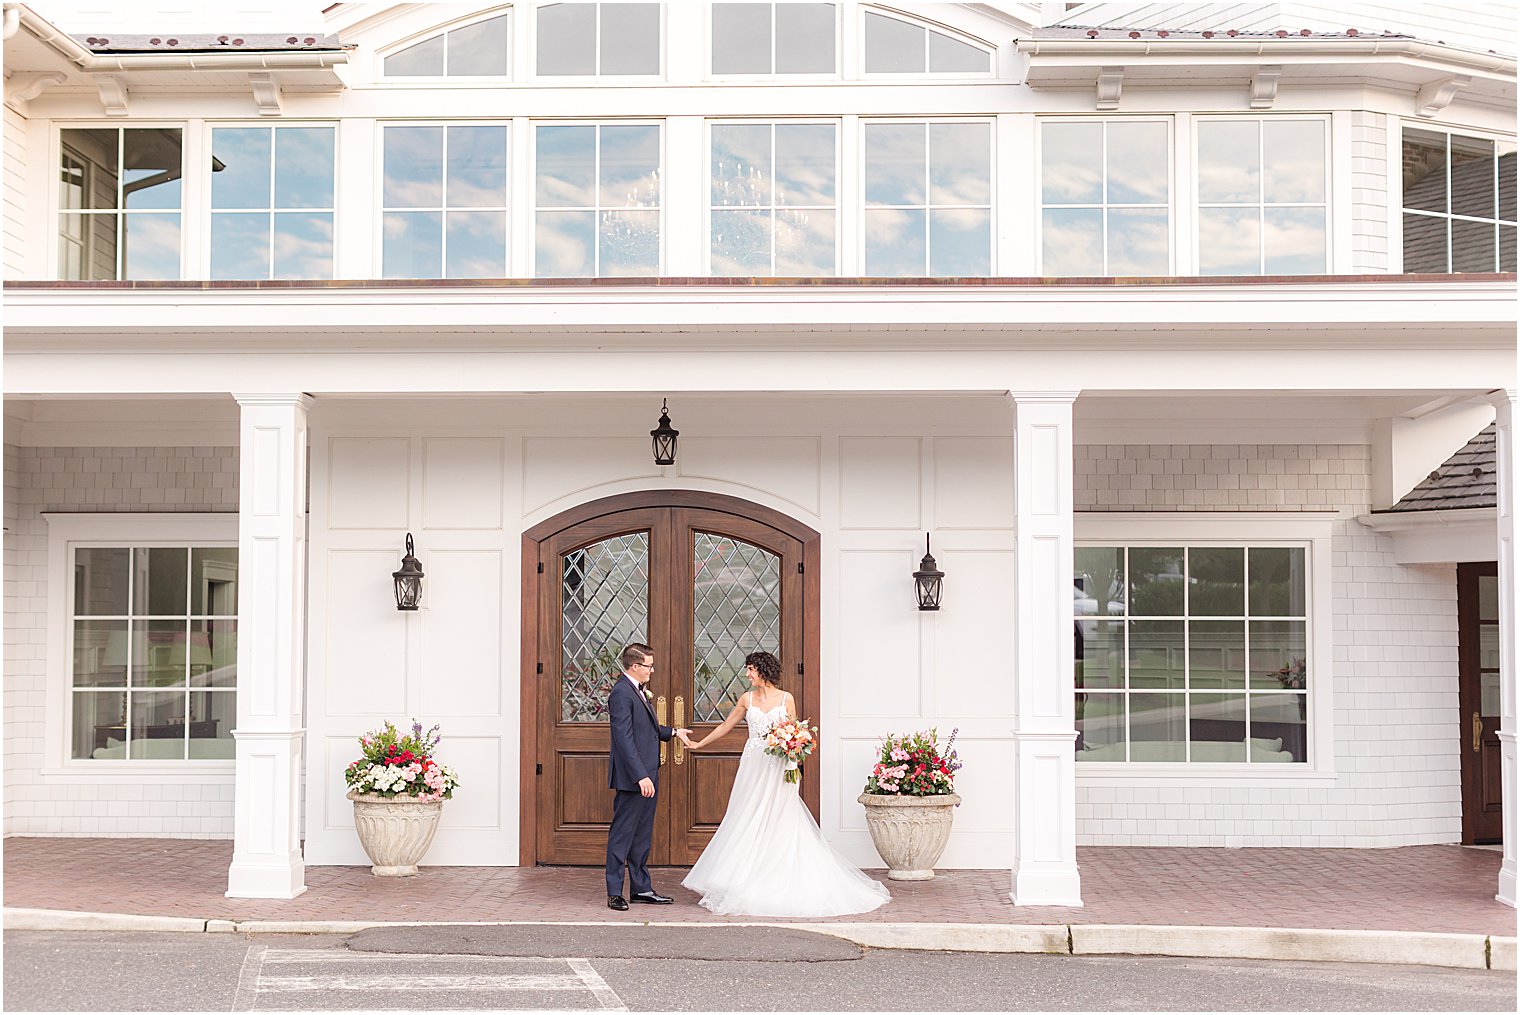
(354, 971)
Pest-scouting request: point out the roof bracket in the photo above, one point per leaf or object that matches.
(25, 85)
(266, 93)
(1264, 85)
(113, 94)
(1110, 84)
(1437, 95)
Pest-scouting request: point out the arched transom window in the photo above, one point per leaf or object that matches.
(897, 45)
(478, 49)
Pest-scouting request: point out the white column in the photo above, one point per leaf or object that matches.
(1045, 777)
(266, 852)
(1509, 620)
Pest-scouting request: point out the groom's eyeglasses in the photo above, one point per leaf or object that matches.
(647, 666)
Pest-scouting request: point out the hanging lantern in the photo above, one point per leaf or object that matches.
(664, 438)
(408, 580)
(928, 580)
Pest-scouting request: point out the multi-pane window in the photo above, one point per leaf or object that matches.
(894, 46)
(597, 200)
(272, 202)
(1459, 203)
(1261, 196)
(154, 652)
(773, 39)
(928, 198)
(598, 39)
(1105, 189)
(773, 198)
(444, 199)
(1191, 654)
(119, 203)
(475, 50)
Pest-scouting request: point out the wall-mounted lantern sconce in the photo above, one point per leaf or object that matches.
(664, 438)
(408, 580)
(928, 580)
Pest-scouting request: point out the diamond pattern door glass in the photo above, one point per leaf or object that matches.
(604, 605)
(737, 610)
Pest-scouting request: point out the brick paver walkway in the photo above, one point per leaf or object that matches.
(1447, 889)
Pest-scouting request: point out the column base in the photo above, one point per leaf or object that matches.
(263, 879)
(1507, 884)
(1049, 886)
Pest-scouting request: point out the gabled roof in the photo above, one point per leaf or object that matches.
(1468, 479)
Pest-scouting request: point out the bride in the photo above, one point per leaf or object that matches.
(768, 856)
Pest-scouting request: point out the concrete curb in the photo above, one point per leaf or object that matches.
(1460, 951)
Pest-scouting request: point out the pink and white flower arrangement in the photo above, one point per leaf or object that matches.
(396, 764)
(794, 740)
(914, 765)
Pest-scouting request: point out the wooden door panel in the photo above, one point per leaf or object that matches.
(584, 798)
(712, 779)
(1477, 624)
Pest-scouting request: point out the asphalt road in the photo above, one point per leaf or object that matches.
(680, 969)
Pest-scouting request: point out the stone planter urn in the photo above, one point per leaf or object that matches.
(395, 831)
(910, 832)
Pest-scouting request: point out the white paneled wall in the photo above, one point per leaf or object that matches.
(1395, 631)
(104, 480)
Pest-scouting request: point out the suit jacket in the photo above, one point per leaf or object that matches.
(635, 736)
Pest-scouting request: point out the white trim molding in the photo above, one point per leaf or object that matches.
(1438, 537)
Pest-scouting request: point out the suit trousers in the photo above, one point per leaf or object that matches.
(629, 840)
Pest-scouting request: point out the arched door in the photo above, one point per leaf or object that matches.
(703, 580)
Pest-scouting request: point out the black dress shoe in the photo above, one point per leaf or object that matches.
(617, 902)
(654, 898)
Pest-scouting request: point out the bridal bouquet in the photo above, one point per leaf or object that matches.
(794, 740)
(396, 764)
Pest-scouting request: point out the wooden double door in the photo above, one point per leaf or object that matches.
(703, 580)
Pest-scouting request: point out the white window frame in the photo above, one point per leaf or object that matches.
(67, 531)
(929, 27)
(1311, 530)
(1198, 204)
(205, 211)
(771, 77)
(1104, 206)
(1396, 177)
(530, 187)
(772, 122)
(861, 206)
(377, 267)
(191, 184)
(509, 11)
(552, 80)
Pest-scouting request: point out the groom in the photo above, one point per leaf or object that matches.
(633, 770)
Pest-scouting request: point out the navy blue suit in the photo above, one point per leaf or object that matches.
(635, 755)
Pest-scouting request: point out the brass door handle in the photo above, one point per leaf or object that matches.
(659, 717)
(675, 742)
(1477, 732)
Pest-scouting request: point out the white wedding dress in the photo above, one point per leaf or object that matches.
(768, 856)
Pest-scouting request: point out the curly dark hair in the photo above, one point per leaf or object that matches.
(767, 665)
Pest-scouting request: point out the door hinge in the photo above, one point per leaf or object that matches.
(799, 669)
(540, 667)
(800, 567)
(538, 769)
(540, 567)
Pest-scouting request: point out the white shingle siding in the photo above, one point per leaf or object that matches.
(1395, 717)
(15, 193)
(103, 480)
(1369, 192)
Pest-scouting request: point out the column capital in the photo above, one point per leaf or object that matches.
(1504, 396)
(1016, 397)
(291, 398)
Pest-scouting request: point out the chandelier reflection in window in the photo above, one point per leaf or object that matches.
(630, 235)
(751, 221)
